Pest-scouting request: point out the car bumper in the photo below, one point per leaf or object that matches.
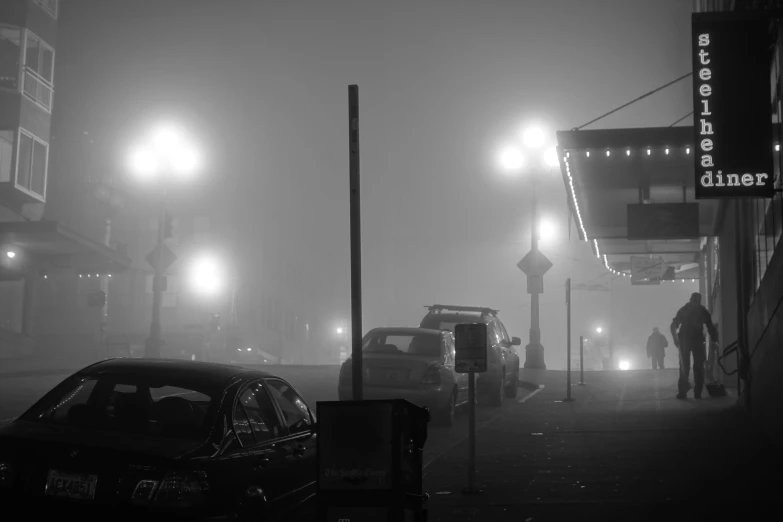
(434, 398)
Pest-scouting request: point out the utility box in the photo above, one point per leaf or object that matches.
(369, 457)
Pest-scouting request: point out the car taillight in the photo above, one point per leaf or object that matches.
(177, 489)
(431, 376)
(7, 475)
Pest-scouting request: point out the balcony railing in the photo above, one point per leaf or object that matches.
(38, 90)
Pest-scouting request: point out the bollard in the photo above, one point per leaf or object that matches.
(568, 340)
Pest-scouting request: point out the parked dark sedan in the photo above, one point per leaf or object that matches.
(140, 437)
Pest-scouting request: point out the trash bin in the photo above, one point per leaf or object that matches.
(369, 457)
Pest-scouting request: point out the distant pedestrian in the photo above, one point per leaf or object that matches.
(656, 348)
(690, 321)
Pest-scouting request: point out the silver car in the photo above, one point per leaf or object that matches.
(415, 364)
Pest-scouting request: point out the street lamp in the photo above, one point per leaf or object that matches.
(10, 254)
(512, 158)
(165, 153)
(207, 276)
(599, 330)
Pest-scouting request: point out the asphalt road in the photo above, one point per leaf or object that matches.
(315, 383)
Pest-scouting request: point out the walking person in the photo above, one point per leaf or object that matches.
(656, 348)
(688, 334)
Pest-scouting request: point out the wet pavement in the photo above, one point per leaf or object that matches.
(624, 449)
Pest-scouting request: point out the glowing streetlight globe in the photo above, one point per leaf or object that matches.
(550, 157)
(206, 276)
(339, 330)
(625, 365)
(547, 230)
(10, 254)
(510, 158)
(166, 150)
(599, 329)
(534, 137)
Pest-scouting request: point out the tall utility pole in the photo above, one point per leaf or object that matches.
(534, 265)
(356, 243)
(153, 343)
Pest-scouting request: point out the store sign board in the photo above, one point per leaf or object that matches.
(732, 117)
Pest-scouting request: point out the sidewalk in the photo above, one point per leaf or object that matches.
(624, 449)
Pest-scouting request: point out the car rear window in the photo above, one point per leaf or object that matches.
(129, 404)
(437, 323)
(401, 343)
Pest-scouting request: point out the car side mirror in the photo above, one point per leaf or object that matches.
(516, 341)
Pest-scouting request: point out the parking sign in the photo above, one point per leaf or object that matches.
(471, 348)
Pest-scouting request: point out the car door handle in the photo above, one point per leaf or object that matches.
(262, 464)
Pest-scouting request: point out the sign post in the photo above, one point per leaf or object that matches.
(581, 360)
(471, 358)
(568, 341)
(356, 243)
(534, 265)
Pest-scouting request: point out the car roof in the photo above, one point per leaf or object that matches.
(400, 330)
(212, 374)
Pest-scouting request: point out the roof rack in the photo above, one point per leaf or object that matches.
(438, 308)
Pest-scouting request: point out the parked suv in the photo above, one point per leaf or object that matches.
(502, 373)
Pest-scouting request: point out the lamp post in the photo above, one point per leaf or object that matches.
(512, 159)
(162, 155)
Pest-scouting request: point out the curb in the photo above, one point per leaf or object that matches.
(529, 385)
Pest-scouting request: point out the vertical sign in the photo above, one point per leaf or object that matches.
(732, 105)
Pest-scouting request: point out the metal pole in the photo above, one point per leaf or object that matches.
(740, 280)
(534, 351)
(356, 246)
(568, 340)
(581, 360)
(104, 322)
(152, 346)
(471, 489)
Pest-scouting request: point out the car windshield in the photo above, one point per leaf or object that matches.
(399, 343)
(129, 404)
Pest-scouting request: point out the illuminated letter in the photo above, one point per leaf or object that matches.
(706, 179)
(705, 90)
(706, 128)
(705, 111)
(747, 180)
(705, 74)
(733, 180)
(720, 182)
(760, 179)
(704, 40)
(706, 144)
(703, 57)
(706, 161)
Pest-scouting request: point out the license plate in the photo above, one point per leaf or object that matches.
(71, 485)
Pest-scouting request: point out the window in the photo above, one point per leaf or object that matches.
(12, 305)
(260, 412)
(39, 71)
(6, 153)
(10, 54)
(242, 426)
(31, 164)
(130, 404)
(296, 414)
(50, 6)
(427, 344)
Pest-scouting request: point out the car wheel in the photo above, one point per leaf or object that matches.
(511, 391)
(446, 416)
(496, 396)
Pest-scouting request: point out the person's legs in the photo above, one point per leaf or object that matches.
(699, 358)
(660, 361)
(685, 368)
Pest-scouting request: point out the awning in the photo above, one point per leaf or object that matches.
(49, 244)
(604, 171)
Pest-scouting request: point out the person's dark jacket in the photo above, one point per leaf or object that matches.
(691, 319)
(656, 344)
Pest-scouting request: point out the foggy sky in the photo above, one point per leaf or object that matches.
(264, 85)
